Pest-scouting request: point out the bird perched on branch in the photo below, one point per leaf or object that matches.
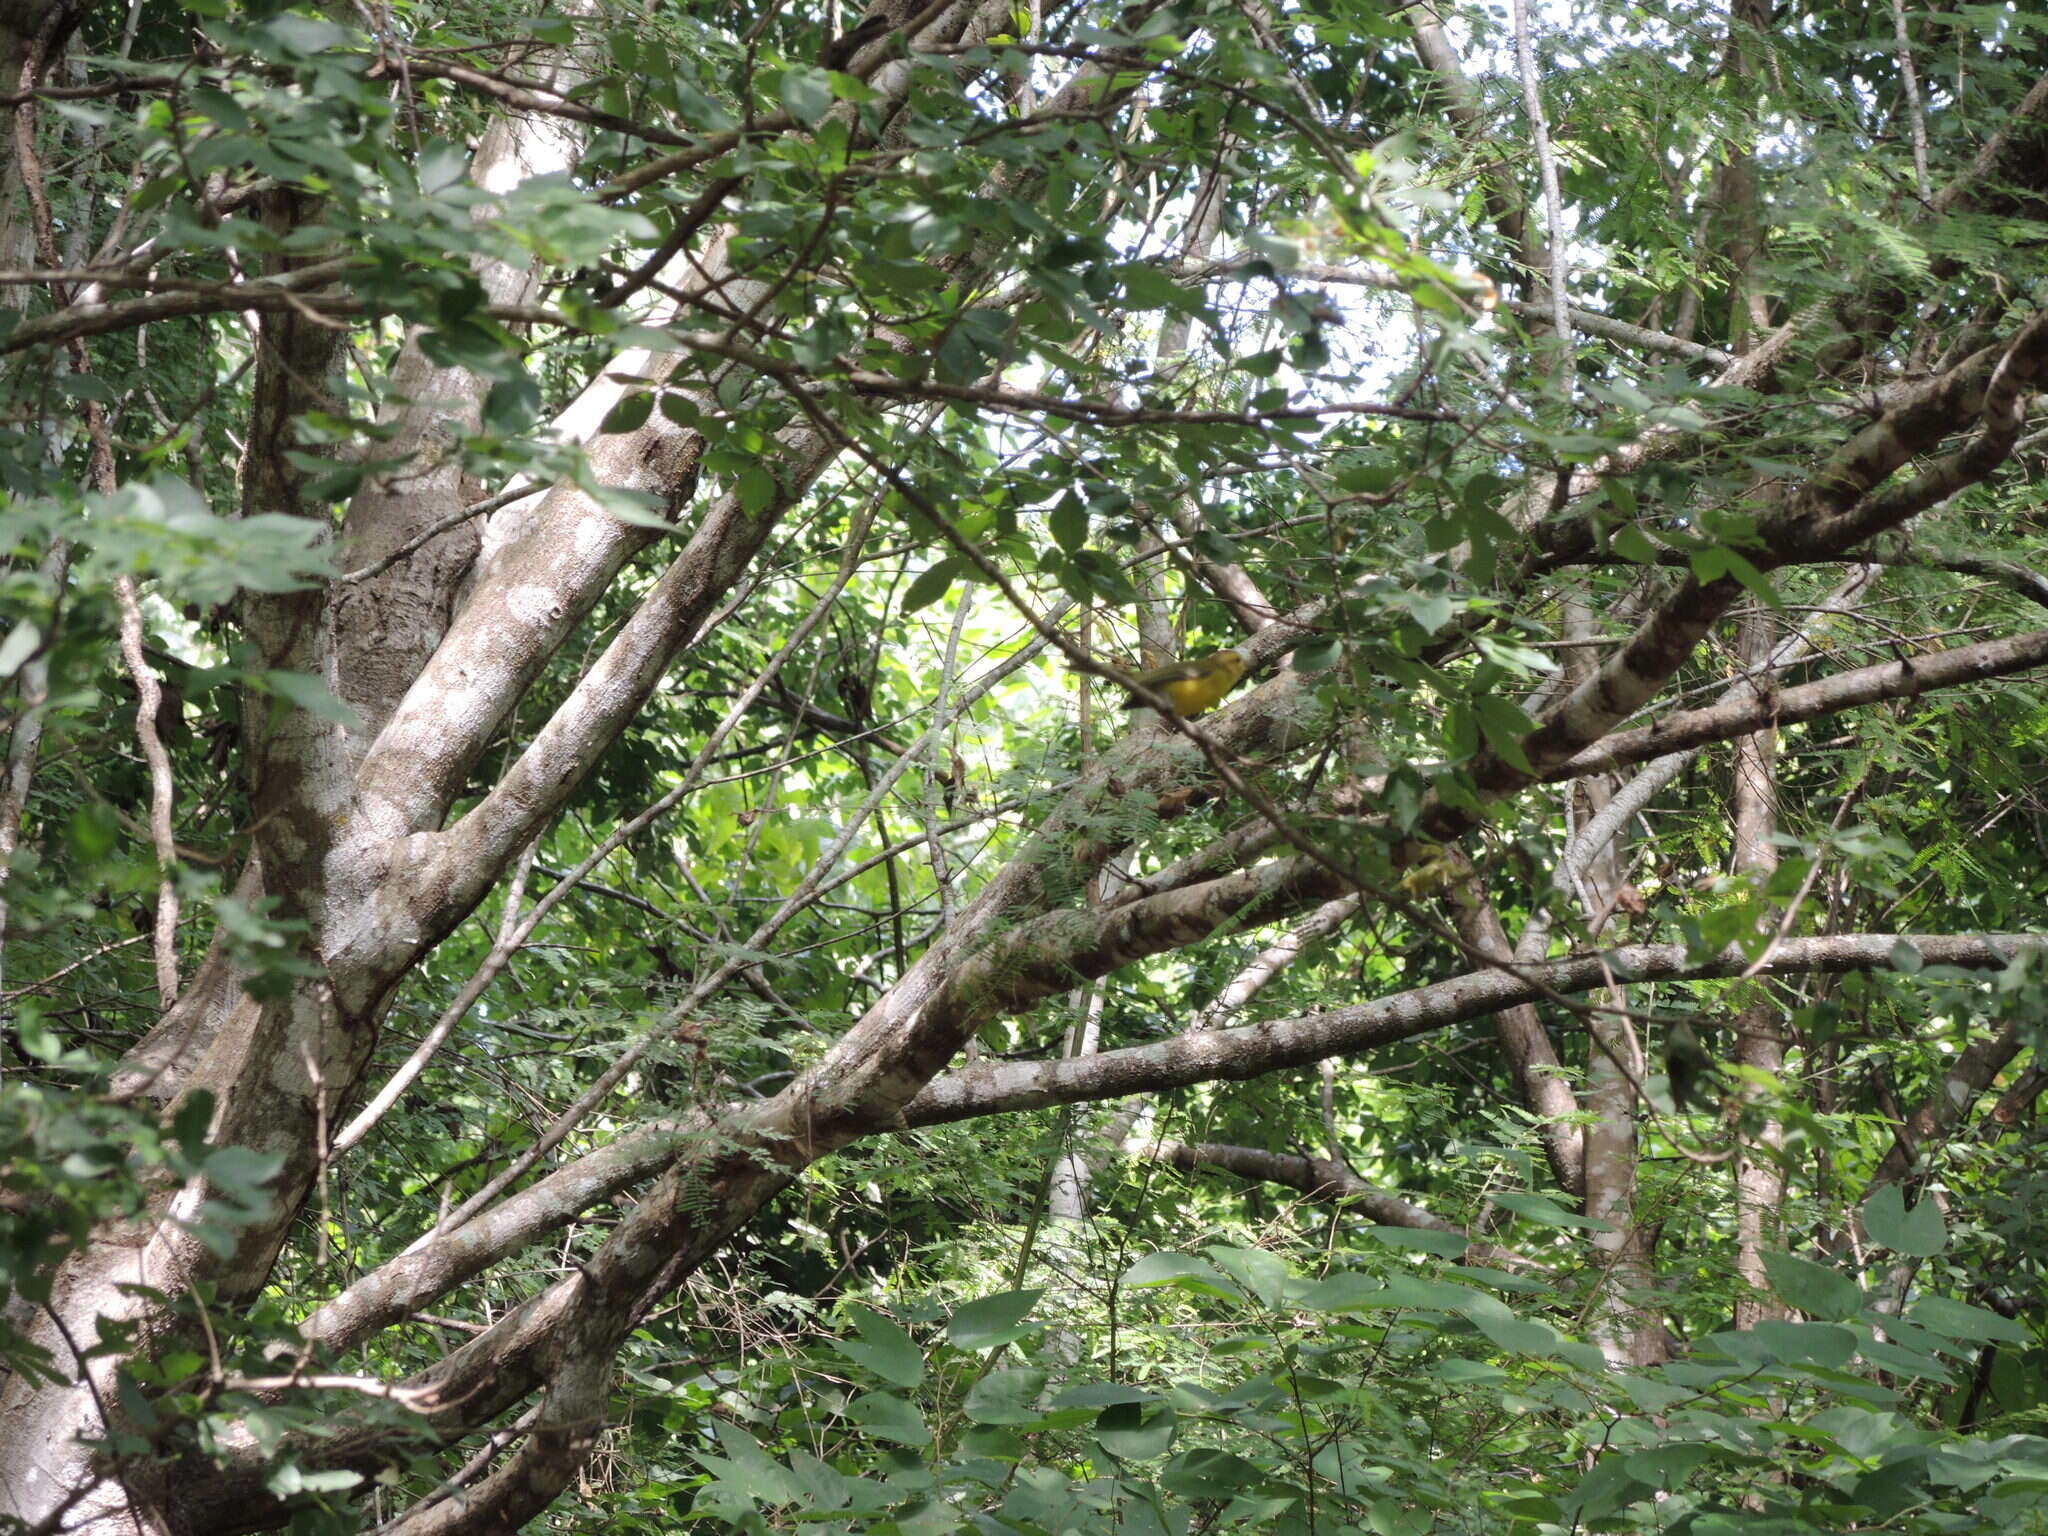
(1194, 685)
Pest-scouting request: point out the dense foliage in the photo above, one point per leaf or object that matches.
(586, 941)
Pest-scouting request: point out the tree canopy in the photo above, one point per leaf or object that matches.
(601, 929)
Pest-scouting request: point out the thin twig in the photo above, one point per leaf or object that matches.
(447, 524)
(1553, 198)
(162, 788)
(512, 935)
(1909, 79)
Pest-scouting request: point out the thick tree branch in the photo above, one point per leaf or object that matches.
(1902, 679)
(1252, 1050)
(1838, 508)
(762, 1145)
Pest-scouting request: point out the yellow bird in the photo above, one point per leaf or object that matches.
(1195, 685)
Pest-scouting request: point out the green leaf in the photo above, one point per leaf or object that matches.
(889, 1417)
(1373, 479)
(1919, 1233)
(1526, 1506)
(1209, 1473)
(1068, 522)
(1813, 1289)
(1517, 1335)
(1147, 287)
(1006, 1397)
(1603, 1490)
(1177, 1269)
(512, 405)
(1971, 1324)
(883, 1348)
(189, 1126)
(807, 93)
(1826, 1345)
(1909, 1364)
(635, 508)
(1102, 575)
(1260, 1273)
(92, 831)
(930, 584)
(85, 386)
(1631, 543)
(630, 414)
(1432, 610)
(853, 88)
(1449, 1245)
(241, 1172)
(1346, 1292)
(992, 1320)
(32, 1031)
(442, 167)
(1718, 560)
(751, 1468)
(1282, 252)
(1504, 725)
(1545, 1211)
(757, 489)
(1666, 1466)
(1318, 655)
(1100, 1394)
(310, 694)
(1481, 494)
(1136, 1431)
(291, 1479)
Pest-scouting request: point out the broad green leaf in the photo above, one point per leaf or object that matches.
(992, 1320)
(311, 695)
(889, 1417)
(1177, 1269)
(630, 414)
(807, 93)
(884, 1348)
(1209, 1473)
(1136, 1431)
(1812, 1288)
(1007, 1397)
(1257, 1272)
(930, 584)
(1918, 1233)
(1959, 1320)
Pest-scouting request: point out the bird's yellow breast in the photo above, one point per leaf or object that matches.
(1193, 686)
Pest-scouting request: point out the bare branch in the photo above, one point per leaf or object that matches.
(162, 791)
(1902, 679)
(1252, 1050)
